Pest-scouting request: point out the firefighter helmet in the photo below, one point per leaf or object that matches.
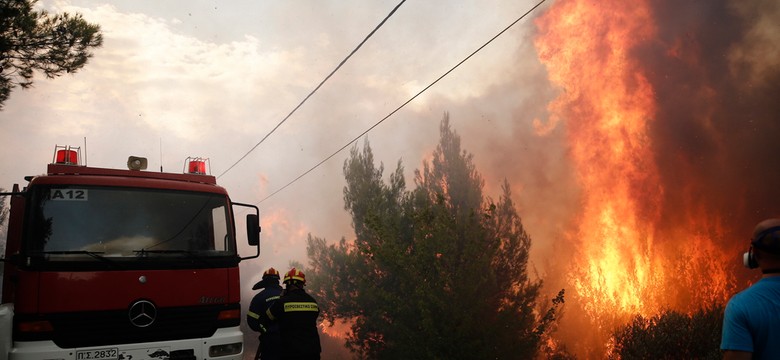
(271, 272)
(295, 275)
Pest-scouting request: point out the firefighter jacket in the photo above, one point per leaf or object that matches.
(296, 313)
(260, 303)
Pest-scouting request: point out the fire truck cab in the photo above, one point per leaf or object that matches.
(109, 264)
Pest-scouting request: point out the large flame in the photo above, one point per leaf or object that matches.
(609, 103)
(625, 262)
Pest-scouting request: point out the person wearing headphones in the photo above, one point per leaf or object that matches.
(270, 347)
(296, 312)
(751, 323)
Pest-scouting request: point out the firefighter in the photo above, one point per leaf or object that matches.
(296, 313)
(270, 339)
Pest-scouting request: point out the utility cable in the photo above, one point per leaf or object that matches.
(316, 88)
(405, 103)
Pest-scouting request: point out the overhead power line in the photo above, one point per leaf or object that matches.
(316, 88)
(405, 103)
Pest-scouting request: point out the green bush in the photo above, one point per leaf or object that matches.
(671, 335)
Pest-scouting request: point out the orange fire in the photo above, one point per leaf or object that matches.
(624, 262)
(608, 103)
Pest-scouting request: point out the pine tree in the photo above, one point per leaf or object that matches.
(35, 41)
(438, 272)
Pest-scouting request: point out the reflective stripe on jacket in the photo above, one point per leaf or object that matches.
(260, 303)
(296, 312)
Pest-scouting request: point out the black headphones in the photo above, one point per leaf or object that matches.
(749, 259)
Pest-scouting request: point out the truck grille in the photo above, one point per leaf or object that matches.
(99, 328)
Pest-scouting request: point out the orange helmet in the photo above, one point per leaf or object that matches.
(295, 275)
(271, 272)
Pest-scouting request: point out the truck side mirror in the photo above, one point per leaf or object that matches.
(253, 229)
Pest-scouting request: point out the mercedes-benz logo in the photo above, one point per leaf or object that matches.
(142, 313)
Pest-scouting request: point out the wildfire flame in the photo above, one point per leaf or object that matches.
(625, 262)
(609, 103)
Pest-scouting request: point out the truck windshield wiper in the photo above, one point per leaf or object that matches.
(190, 254)
(95, 254)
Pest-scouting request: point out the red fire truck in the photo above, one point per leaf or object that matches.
(108, 264)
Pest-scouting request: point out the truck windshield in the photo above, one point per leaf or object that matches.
(122, 222)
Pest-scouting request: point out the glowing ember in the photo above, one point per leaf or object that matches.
(339, 329)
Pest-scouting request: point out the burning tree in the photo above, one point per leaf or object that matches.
(436, 272)
(669, 117)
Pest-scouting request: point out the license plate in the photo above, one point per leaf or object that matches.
(98, 354)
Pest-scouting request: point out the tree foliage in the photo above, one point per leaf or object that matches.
(33, 41)
(671, 335)
(3, 208)
(437, 272)
(3, 234)
(3, 222)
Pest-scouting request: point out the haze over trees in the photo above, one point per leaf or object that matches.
(36, 41)
(439, 271)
